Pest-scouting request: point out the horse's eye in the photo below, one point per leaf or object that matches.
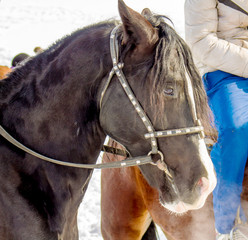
(169, 91)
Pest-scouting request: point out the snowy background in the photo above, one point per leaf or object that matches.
(26, 24)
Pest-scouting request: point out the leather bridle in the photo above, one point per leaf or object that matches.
(151, 133)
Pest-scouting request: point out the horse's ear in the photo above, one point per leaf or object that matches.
(137, 30)
(146, 13)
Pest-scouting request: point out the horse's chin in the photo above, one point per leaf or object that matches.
(181, 207)
(202, 192)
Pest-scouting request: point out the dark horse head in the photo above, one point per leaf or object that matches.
(51, 104)
(159, 68)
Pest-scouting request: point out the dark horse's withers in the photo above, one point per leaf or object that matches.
(55, 106)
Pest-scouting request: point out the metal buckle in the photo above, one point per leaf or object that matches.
(161, 164)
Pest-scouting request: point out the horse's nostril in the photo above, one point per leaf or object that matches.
(203, 183)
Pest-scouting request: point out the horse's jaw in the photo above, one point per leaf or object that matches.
(205, 186)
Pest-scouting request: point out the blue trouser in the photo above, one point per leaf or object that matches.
(228, 99)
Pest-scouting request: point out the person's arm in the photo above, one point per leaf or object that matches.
(201, 20)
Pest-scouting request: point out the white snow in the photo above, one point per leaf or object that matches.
(25, 24)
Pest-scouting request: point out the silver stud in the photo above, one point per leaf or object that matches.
(147, 135)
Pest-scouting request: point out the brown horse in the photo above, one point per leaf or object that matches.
(129, 204)
(4, 70)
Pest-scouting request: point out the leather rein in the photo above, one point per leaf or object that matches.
(152, 134)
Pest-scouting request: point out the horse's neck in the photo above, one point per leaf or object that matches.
(53, 119)
(58, 103)
(57, 116)
(53, 110)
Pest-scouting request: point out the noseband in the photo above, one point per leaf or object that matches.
(151, 133)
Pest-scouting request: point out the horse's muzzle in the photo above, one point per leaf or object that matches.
(204, 187)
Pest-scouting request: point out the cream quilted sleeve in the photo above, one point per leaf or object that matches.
(201, 24)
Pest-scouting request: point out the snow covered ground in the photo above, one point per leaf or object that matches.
(25, 24)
